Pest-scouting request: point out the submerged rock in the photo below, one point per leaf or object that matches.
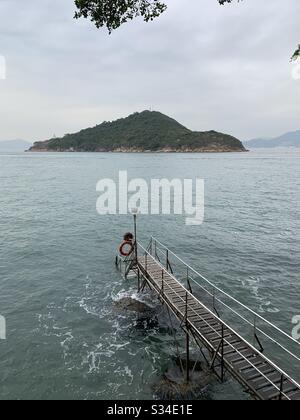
(173, 385)
(133, 305)
(145, 323)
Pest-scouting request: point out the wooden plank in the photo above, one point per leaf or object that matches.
(240, 356)
(196, 307)
(194, 302)
(160, 273)
(271, 393)
(215, 329)
(204, 320)
(180, 292)
(200, 323)
(214, 337)
(242, 365)
(193, 309)
(259, 364)
(263, 381)
(253, 374)
(233, 340)
(294, 395)
(229, 350)
(170, 287)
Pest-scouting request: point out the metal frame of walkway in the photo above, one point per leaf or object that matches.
(220, 325)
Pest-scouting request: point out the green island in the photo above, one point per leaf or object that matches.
(148, 131)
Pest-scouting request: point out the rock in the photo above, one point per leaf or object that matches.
(173, 385)
(133, 305)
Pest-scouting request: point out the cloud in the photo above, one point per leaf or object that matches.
(209, 66)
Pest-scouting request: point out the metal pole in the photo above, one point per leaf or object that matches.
(135, 239)
(188, 280)
(139, 281)
(167, 260)
(187, 358)
(281, 388)
(222, 355)
(187, 342)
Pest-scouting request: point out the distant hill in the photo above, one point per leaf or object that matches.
(14, 146)
(141, 132)
(286, 140)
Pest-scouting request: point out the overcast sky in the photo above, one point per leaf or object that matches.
(209, 66)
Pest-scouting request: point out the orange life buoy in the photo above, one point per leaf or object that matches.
(123, 245)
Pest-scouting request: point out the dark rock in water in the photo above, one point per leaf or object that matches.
(145, 323)
(130, 304)
(181, 362)
(173, 385)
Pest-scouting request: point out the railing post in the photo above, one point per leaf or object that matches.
(187, 340)
(162, 283)
(214, 303)
(261, 349)
(187, 358)
(188, 279)
(167, 259)
(186, 308)
(146, 261)
(222, 355)
(135, 239)
(281, 387)
(139, 281)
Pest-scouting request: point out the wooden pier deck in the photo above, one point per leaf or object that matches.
(262, 378)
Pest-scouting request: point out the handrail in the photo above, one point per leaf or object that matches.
(279, 370)
(252, 324)
(227, 295)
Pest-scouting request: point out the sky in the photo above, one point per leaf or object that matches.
(210, 67)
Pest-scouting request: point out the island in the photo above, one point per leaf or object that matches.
(148, 131)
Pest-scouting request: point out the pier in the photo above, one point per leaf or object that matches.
(233, 339)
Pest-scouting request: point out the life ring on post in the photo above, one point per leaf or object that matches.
(126, 244)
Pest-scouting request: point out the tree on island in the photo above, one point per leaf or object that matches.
(114, 13)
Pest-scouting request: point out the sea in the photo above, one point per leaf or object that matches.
(66, 336)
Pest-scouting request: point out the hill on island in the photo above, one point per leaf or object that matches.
(291, 139)
(147, 131)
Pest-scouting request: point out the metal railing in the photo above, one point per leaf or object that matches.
(233, 316)
(123, 264)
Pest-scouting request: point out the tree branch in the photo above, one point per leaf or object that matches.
(113, 13)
